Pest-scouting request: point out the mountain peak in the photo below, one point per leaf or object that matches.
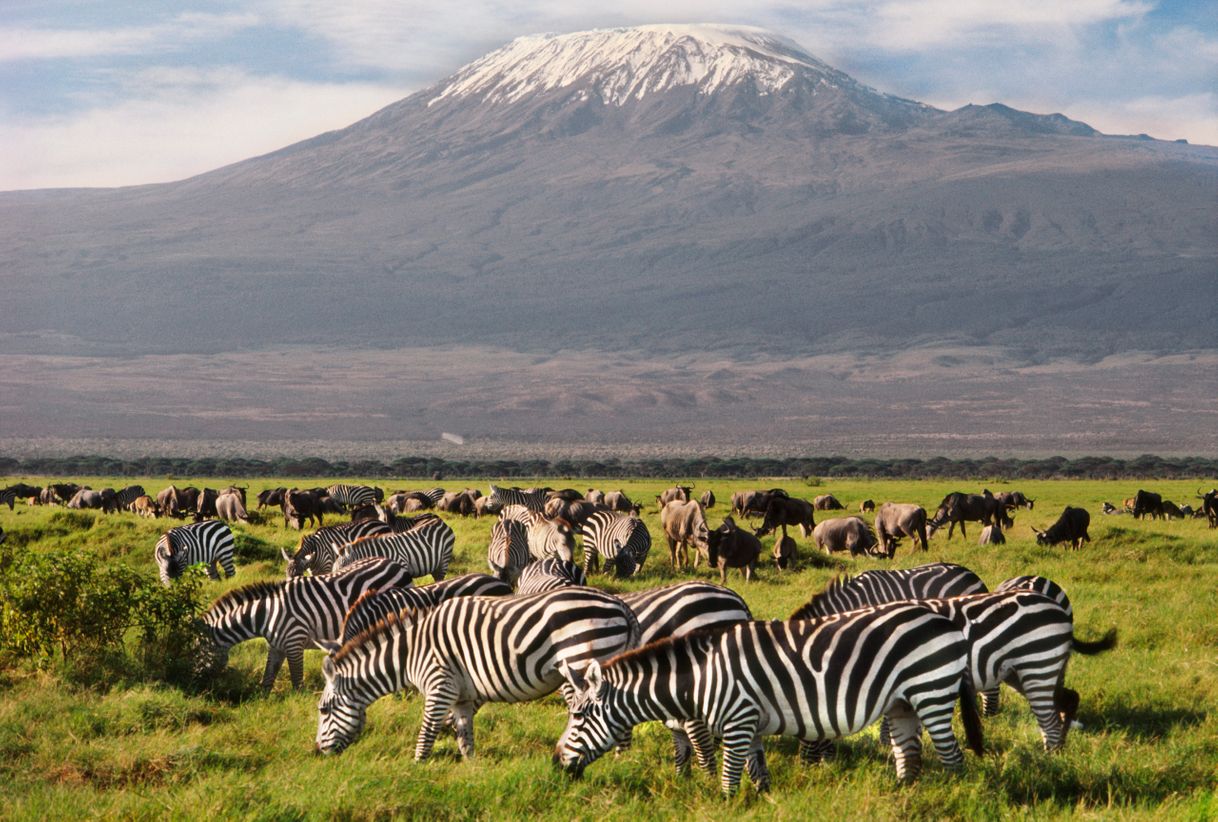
(624, 64)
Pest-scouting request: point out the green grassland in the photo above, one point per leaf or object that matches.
(151, 750)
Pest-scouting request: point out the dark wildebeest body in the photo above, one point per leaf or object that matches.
(827, 502)
(188, 500)
(1014, 499)
(785, 552)
(895, 520)
(783, 511)
(575, 512)
(1171, 510)
(1209, 506)
(867, 505)
(230, 507)
(86, 498)
(1070, 527)
(707, 499)
(958, 508)
(595, 495)
(271, 497)
(992, 535)
(1147, 503)
(683, 523)
(731, 547)
(845, 534)
(206, 506)
(617, 501)
(301, 506)
(754, 503)
(62, 492)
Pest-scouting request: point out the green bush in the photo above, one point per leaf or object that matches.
(97, 621)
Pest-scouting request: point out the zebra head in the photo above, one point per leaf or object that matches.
(592, 725)
(624, 564)
(340, 718)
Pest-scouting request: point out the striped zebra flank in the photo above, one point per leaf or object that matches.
(209, 543)
(1041, 585)
(464, 653)
(317, 551)
(8, 497)
(352, 496)
(621, 540)
(426, 550)
(375, 605)
(125, 498)
(291, 615)
(508, 551)
(547, 537)
(549, 575)
(810, 679)
(533, 500)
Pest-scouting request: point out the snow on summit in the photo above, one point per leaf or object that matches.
(628, 63)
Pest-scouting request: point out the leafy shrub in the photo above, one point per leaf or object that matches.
(96, 621)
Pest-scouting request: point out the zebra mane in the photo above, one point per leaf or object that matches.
(808, 609)
(696, 636)
(368, 594)
(375, 629)
(246, 594)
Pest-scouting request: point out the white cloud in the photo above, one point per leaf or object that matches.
(60, 43)
(192, 122)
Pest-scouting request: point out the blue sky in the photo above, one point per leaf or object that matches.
(117, 92)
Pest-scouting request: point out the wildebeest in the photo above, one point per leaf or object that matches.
(958, 508)
(754, 503)
(895, 520)
(783, 511)
(827, 502)
(404, 502)
(565, 494)
(18, 491)
(1014, 499)
(729, 546)
(617, 501)
(271, 497)
(86, 498)
(785, 552)
(230, 507)
(866, 505)
(1147, 503)
(707, 499)
(1209, 505)
(188, 500)
(1109, 508)
(1070, 527)
(683, 523)
(1171, 510)
(206, 506)
(457, 502)
(595, 495)
(678, 493)
(575, 512)
(992, 535)
(845, 534)
(146, 506)
(61, 492)
(301, 506)
(485, 506)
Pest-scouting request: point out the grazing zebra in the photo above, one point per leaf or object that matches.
(317, 551)
(937, 580)
(209, 542)
(676, 610)
(467, 652)
(508, 551)
(375, 605)
(1041, 585)
(352, 495)
(533, 500)
(1024, 639)
(125, 498)
(619, 539)
(811, 679)
(291, 615)
(435, 495)
(547, 537)
(8, 497)
(549, 575)
(400, 524)
(425, 550)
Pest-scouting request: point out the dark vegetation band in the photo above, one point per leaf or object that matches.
(1147, 466)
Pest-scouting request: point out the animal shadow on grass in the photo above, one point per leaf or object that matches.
(1146, 721)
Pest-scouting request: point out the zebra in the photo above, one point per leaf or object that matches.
(124, 499)
(811, 679)
(8, 497)
(547, 537)
(352, 495)
(1025, 639)
(533, 500)
(619, 539)
(209, 542)
(549, 575)
(1040, 585)
(464, 653)
(317, 551)
(375, 605)
(425, 550)
(508, 551)
(290, 615)
(676, 610)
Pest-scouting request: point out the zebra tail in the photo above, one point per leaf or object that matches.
(971, 716)
(1107, 643)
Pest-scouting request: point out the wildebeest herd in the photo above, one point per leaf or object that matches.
(688, 654)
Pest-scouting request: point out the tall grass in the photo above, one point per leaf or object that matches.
(1149, 748)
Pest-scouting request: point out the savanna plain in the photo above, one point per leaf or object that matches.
(132, 746)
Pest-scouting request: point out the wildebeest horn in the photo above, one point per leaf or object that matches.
(284, 551)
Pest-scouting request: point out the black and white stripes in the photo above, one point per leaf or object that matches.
(621, 540)
(317, 551)
(427, 549)
(209, 543)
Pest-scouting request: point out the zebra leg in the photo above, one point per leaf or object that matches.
(906, 741)
(991, 701)
(885, 731)
(703, 742)
(1040, 695)
(212, 572)
(759, 772)
(230, 570)
(296, 667)
(814, 751)
(463, 725)
(437, 703)
(624, 742)
(739, 740)
(274, 661)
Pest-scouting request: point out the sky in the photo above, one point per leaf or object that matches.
(124, 92)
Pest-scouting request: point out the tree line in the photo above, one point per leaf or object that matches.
(1147, 466)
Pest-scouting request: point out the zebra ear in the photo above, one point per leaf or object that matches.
(594, 677)
(573, 676)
